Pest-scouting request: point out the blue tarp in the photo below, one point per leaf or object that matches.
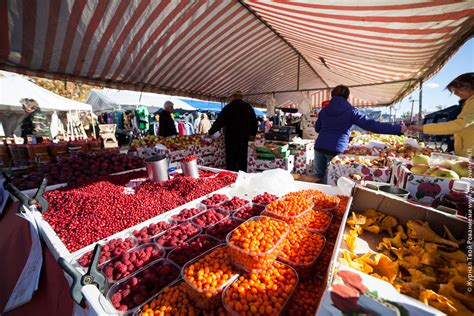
(212, 106)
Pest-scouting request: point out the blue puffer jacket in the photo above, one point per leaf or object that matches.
(335, 121)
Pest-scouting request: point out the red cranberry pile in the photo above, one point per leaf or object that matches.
(208, 218)
(78, 169)
(221, 229)
(144, 285)
(188, 159)
(85, 214)
(130, 262)
(112, 249)
(146, 234)
(233, 204)
(214, 200)
(265, 198)
(248, 212)
(191, 249)
(177, 235)
(186, 214)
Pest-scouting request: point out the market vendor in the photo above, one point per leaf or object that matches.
(240, 123)
(167, 126)
(35, 123)
(334, 124)
(204, 124)
(463, 126)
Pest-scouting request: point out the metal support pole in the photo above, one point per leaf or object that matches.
(298, 73)
(420, 103)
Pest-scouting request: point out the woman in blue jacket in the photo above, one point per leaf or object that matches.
(334, 124)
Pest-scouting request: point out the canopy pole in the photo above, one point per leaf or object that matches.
(298, 74)
(420, 103)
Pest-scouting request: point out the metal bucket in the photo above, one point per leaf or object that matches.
(395, 191)
(157, 168)
(190, 169)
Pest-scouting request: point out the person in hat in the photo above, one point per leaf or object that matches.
(35, 123)
(167, 127)
(240, 125)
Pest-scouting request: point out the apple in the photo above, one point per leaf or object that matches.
(420, 160)
(419, 169)
(445, 173)
(461, 168)
(446, 164)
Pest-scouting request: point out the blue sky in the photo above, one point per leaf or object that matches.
(434, 92)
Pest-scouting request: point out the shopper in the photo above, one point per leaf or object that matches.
(166, 127)
(204, 124)
(463, 126)
(240, 124)
(334, 124)
(35, 123)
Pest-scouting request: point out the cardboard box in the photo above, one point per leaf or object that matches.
(255, 165)
(309, 134)
(378, 174)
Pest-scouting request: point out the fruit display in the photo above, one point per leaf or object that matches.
(97, 209)
(233, 204)
(223, 227)
(453, 168)
(393, 140)
(187, 213)
(209, 218)
(206, 277)
(289, 209)
(369, 162)
(263, 293)
(174, 300)
(255, 244)
(130, 261)
(133, 291)
(78, 169)
(192, 248)
(173, 143)
(177, 235)
(110, 250)
(300, 250)
(215, 200)
(305, 299)
(146, 234)
(316, 221)
(247, 212)
(264, 199)
(414, 259)
(189, 158)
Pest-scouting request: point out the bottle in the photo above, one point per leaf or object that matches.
(458, 198)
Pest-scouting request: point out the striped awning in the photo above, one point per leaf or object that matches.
(319, 97)
(209, 48)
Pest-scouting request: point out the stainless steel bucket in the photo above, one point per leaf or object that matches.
(395, 191)
(157, 168)
(190, 168)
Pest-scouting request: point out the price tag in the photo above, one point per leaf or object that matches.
(3, 196)
(28, 281)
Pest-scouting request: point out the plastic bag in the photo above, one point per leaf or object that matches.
(275, 181)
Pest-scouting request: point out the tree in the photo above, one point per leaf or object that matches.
(70, 90)
(405, 114)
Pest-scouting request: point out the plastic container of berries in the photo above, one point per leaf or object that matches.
(177, 235)
(248, 211)
(214, 201)
(192, 248)
(262, 200)
(131, 261)
(189, 213)
(296, 220)
(146, 234)
(233, 204)
(223, 227)
(129, 294)
(210, 218)
(329, 204)
(317, 221)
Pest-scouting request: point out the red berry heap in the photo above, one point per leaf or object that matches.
(265, 198)
(144, 285)
(188, 159)
(222, 228)
(248, 212)
(177, 235)
(186, 213)
(191, 249)
(233, 204)
(129, 262)
(214, 200)
(145, 234)
(86, 214)
(208, 218)
(112, 249)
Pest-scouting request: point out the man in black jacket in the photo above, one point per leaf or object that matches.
(240, 124)
(167, 127)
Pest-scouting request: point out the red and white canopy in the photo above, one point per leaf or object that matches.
(209, 48)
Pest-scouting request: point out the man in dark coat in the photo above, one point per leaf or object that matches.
(167, 127)
(240, 124)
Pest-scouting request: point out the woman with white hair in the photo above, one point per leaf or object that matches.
(167, 127)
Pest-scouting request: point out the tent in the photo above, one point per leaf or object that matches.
(106, 100)
(381, 49)
(216, 107)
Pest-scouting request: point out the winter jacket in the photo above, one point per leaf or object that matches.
(335, 121)
(166, 127)
(204, 125)
(35, 124)
(239, 120)
(462, 128)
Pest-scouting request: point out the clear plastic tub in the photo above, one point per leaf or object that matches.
(149, 238)
(180, 218)
(251, 261)
(104, 257)
(304, 270)
(310, 216)
(283, 310)
(207, 299)
(196, 220)
(169, 240)
(138, 288)
(213, 205)
(182, 254)
(296, 220)
(229, 208)
(223, 227)
(333, 205)
(157, 253)
(260, 206)
(256, 210)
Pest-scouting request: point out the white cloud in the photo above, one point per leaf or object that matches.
(432, 85)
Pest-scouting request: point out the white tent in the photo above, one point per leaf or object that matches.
(111, 99)
(14, 87)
